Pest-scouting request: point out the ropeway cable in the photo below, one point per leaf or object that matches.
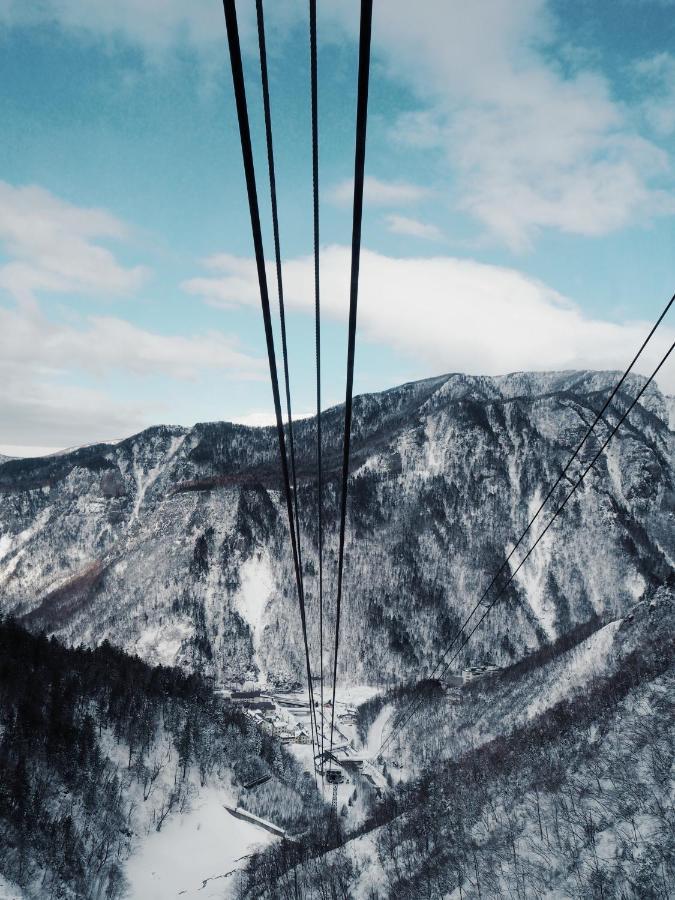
(280, 292)
(249, 172)
(317, 331)
(359, 167)
(401, 720)
(562, 475)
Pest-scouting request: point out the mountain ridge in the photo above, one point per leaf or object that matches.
(173, 542)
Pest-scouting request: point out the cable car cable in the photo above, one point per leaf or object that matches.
(562, 475)
(541, 535)
(317, 325)
(565, 501)
(280, 293)
(249, 172)
(359, 167)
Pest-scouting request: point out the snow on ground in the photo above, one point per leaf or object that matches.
(195, 855)
(145, 481)
(9, 891)
(160, 644)
(372, 880)
(376, 733)
(6, 541)
(532, 579)
(257, 583)
(355, 694)
(17, 543)
(576, 668)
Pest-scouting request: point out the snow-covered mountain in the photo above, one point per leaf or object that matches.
(174, 544)
(551, 778)
(103, 758)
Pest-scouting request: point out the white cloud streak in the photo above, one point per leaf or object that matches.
(155, 25)
(531, 148)
(449, 314)
(378, 193)
(54, 247)
(399, 224)
(102, 344)
(657, 74)
(531, 144)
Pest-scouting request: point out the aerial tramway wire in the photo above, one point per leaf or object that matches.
(280, 292)
(558, 511)
(359, 167)
(249, 172)
(598, 416)
(317, 331)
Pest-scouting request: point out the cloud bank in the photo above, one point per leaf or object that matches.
(448, 314)
(54, 248)
(534, 141)
(533, 135)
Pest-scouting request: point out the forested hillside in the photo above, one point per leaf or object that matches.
(174, 545)
(567, 797)
(97, 748)
(551, 775)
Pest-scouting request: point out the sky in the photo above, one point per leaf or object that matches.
(519, 209)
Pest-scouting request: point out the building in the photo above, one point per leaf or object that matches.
(348, 718)
(265, 705)
(474, 672)
(302, 736)
(245, 695)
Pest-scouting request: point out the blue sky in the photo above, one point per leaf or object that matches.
(519, 209)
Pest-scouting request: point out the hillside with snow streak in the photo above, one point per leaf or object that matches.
(173, 544)
(552, 778)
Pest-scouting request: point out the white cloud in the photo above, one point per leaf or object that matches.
(261, 418)
(154, 25)
(240, 287)
(451, 314)
(101, 344)
(27, 450)
(378, 193)
(657, 74)
(53, 247)
(531, 147)
(413, 228)
(532, 140)
(36, 410)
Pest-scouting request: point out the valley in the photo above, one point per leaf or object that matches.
(150, 585)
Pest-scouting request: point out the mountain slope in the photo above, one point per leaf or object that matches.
(551, 779)
(173, 543)
(98, 750)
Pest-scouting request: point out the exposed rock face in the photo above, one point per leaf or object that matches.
(174, 543)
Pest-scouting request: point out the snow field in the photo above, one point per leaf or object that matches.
(195, 855)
